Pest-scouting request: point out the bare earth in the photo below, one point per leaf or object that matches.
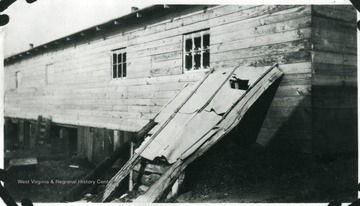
(227, 173)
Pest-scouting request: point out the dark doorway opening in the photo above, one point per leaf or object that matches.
(72, 140)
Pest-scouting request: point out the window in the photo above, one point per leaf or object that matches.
(49, 74)
(197, 50)
(119, 63)
(17, 79)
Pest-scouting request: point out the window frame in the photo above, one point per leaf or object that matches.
(193, 51)
(18, 79)
(116, 52)
(49, 74)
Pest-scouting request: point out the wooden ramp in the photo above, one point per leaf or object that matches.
(196, 119)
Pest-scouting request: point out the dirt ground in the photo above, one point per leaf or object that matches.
(47, 170)
(231, 173)
(227, 173)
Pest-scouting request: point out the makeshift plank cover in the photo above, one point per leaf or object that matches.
(229, 120)
(186, 131)
(201, 113)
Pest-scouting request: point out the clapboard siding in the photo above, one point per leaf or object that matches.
(83, 92)
(334, 80)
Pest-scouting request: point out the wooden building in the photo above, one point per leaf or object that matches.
(101, 84)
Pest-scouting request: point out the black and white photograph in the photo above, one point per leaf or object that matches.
(146, 102)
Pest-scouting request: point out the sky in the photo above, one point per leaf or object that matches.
(47, 20)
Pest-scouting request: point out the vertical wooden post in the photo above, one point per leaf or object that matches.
(7, 128)
(27, 134)
(64, 135)
(32, 135)
(122, 137)
(47, 130)
(37, 128)
(107, 142)
(80, 140)
(21, 132)
(131, 184)
(116, 139)
(89, 135)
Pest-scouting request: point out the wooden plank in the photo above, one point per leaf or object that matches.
(348, 15)
(334, 74)
(131, 183)
(270, 49)
(90, 144)
(294, 90)
(32, 135)
(264, 40)
(334, 58)
(116, 180)
(152, 168)
(39, 119)
(27, 134)
(291, 101)
(23, 162)
(80, 141)
(321, 23)
(266, 19)
(336, 103)
(47, 130)
(325, 45)
(64, 135)
(117, 140)
(331, 80)
(173, 70)
(21, 132)
(334, 92)
(263, 30)
(332, 36)
(296, 79)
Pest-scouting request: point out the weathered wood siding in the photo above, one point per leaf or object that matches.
(334, 79)
(83, 92)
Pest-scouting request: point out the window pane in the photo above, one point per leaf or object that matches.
(114, 71)
(114, 59)
(188, 61)
(197, 43)
(124, 69)
(206, 60)
(197, 61)
(124, 57)
(188, 45)
(119, 71)
(206, 41)
(119, 58)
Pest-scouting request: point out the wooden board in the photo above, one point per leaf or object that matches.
(23, 162)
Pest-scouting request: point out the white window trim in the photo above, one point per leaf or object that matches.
(117, 51)
(193, 35)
